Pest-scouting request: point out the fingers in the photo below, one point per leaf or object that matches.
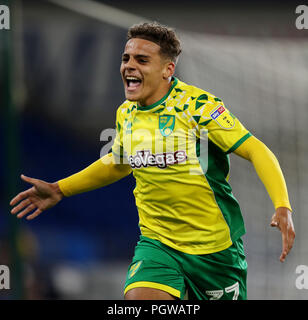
(282, 257)
(26, 205)
(21, 206)
(20, 197)
(288, 236)
(274, 222)
(28, 179)
(283, 221)
(285, 246)
(23, 194)
(290, 240)
(28, 209)
(34, 214)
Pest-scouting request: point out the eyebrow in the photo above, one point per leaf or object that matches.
(137, 56)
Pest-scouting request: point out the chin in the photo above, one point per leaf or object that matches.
(131, 97)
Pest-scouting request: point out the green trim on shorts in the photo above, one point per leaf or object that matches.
(219, 275)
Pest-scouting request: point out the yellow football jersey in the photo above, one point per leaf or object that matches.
(178, 149)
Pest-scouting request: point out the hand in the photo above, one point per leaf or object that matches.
(282, 219)
(40, 197)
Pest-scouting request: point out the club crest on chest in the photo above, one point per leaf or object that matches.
(166, 124)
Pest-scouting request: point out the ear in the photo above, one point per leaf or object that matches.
(168, 70)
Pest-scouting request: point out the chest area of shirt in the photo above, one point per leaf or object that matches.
(147, 129)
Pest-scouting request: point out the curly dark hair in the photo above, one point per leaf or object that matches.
(165, 37)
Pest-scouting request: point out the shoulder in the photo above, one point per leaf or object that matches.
(125, 108)
(199, 98)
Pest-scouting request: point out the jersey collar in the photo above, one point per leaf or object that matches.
(159, 102)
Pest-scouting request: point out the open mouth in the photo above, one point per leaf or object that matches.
(132, 83)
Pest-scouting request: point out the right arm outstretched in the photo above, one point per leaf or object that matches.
(44, 195)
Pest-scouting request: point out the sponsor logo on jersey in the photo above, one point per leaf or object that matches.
(218, 112)
(145, 158)
(223, 117)
(166, 124)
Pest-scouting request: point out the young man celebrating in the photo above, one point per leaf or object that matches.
(191, 224)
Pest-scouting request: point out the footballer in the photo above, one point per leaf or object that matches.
(176, 139)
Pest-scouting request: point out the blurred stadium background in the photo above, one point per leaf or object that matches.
(60, 87)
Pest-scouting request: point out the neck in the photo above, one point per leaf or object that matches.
(160, 93)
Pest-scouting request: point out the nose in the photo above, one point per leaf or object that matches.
(130, 64)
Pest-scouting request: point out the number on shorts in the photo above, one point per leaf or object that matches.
(217, 294)
(236, 288)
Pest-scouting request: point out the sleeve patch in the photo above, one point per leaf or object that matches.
(223, 117)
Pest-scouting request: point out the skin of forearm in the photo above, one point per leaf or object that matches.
(102, 172)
